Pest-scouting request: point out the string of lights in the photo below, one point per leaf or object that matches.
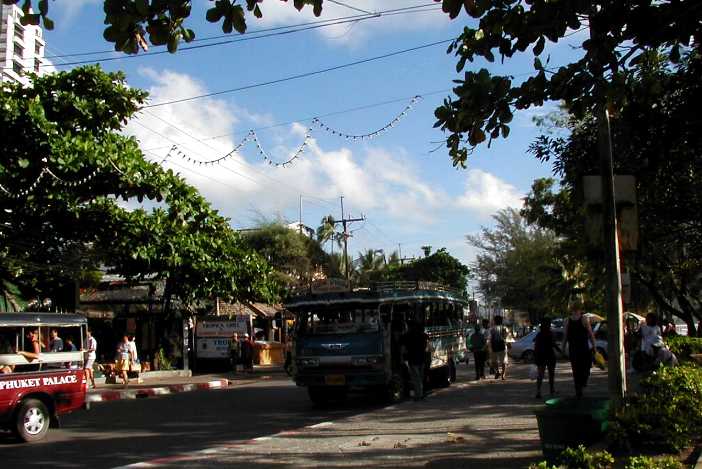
(176, 150)
(252, 136)
(316, 121)
(32, 187)
(297, 154)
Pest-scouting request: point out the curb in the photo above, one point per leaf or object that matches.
(112, 395)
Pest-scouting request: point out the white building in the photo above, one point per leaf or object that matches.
(21, 47)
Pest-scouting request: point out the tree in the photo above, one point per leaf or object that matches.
(65, 165)
(295, 258)
(520, 265)
(440, 267)
(131, 23)
(327, 232)
(369, 267)
(622, 31)
(658, 137)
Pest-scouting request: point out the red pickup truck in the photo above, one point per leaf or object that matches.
(41, 370)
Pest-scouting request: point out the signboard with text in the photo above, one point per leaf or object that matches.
(222, 328)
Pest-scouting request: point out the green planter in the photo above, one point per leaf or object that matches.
(565, 422)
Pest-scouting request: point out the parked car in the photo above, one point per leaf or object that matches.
(523, 349)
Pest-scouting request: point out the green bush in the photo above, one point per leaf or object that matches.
(646, 462)
(665, 415)
(682, 346)
(579, 458)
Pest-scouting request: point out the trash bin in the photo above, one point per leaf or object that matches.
(565, 422)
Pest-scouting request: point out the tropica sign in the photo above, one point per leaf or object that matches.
(34, 382)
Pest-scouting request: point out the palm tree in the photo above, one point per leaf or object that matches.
(327, 232)
(369, 266)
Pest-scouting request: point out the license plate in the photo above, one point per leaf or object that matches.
(335, 380)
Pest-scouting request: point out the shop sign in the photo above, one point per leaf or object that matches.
(212, 348)
(220, 328)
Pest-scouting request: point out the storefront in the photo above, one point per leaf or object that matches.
(116, 308)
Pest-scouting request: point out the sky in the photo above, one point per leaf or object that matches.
(401, 181)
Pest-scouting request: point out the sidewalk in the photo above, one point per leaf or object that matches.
(160, 384)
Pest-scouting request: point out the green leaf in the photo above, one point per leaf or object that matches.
(214, 14)
(23, 163)
(142, 7)
(257, 12)
(173, 44)
(48, 23)
(539, 47)
(537, 64)
(43, 7)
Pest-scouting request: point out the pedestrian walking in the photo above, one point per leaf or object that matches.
(577, 333)
(415, 343)
(478, 345)
(123, 359)
(545, 356)
(498, 348)
(134, 363)
(90, 356)
(234, 351)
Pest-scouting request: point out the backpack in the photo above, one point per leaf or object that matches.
(497, 342)
(477, 341)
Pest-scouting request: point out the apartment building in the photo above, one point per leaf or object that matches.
(21, 47)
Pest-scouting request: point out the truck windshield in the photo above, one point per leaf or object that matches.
(338, 321)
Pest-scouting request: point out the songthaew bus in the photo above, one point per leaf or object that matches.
(41, 370)
(351, 339)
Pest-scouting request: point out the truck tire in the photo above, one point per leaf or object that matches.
(32, 420)
(396, 390)
(452, 371)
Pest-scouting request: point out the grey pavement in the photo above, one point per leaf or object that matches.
(489, 423)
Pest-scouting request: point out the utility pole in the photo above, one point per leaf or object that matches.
(613, 285)
(300, 219)
(345, 222)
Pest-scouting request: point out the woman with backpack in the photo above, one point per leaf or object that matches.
(478, 345)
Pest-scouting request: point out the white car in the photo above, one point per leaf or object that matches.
(523, 349)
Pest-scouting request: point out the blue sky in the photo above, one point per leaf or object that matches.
(409, 194)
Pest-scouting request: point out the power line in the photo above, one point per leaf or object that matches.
(278, 183)
(301, 75)
(351, 7)
(249, 36)
(329, 114)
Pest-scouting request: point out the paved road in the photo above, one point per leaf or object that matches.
(272, 424)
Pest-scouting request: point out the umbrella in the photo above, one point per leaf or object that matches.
(594, 317)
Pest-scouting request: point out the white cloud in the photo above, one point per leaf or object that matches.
(485, 194)
(374, 179)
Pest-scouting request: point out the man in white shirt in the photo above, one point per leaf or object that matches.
(90, 356)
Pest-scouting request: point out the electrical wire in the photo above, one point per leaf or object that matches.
(299, 76)
(269, 32)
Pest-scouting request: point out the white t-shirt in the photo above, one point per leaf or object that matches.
(92, 348)
(133, 351)
(649, 336)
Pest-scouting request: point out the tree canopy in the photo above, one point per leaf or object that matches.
(622, 32)
(295, 258)
(132, 24)
(658, 137)
(66, 165)
(522, 267)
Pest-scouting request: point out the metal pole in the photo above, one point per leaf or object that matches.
(300, 220)
(346, 252)
(615, 308)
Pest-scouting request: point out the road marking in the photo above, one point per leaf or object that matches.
(320, 425)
